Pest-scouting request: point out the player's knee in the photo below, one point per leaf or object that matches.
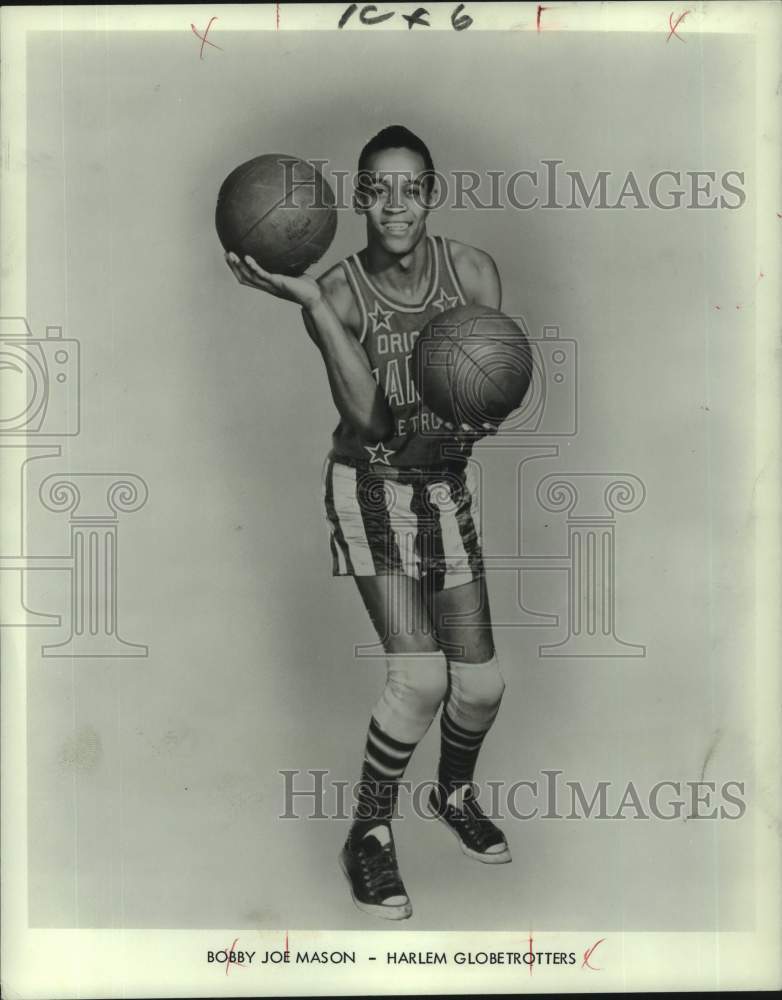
(476, 691)
(420, 679)
(415, 686)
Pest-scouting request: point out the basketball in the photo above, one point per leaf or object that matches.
(472, 365)
(279, 210)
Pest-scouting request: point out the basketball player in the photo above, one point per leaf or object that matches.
(401, 506)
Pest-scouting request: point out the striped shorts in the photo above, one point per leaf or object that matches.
(424, 523)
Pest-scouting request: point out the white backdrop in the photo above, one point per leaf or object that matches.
(153, 782)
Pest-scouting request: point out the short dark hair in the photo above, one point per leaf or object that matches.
(396, 137)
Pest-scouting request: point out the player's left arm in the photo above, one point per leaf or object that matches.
(477, 274)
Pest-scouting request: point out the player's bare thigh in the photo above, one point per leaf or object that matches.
(462, 621)
(399, 611)
(409, 619)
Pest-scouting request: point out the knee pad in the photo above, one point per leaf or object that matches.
(476, 692)
(415, 686)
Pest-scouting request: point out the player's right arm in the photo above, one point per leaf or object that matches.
(332, 327)
(326, 307)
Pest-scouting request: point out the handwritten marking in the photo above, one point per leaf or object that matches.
(277, 15)
(417, 17)
(364, 16)
(347, 14)
(204, 39)
(537, 18)
(459, 21)
(532, 957)
(286, 943)
(370, 15)
(230, 952)
(588, 954)
(673, 25)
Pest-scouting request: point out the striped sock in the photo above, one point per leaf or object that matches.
(385, 760)
(459, 749)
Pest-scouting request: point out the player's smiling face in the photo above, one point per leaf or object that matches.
(393, 196)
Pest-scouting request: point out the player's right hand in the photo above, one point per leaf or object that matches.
(303, 290)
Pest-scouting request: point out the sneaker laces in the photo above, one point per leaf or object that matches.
(379, 867)
(478, 826)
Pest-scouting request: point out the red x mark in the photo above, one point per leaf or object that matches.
(588, 954)
(204, 39)
(673, 25)
(230, 950)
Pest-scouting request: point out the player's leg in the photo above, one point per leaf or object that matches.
(416, 681)
(461, 618)
(373, 534)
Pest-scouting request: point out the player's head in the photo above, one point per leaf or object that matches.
(393, 188)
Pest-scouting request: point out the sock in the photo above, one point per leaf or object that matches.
(473, 701)
(414, 689)
(385, 760)
(459, 749)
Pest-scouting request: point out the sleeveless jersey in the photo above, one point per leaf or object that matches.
(389, 331)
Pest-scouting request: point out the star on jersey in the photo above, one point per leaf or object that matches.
(445, 302)
(381, 318)
(382, 450)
